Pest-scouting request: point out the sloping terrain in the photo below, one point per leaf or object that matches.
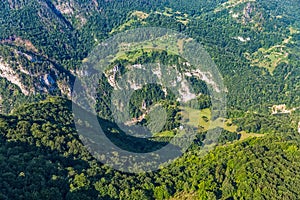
(255, 45)
(45, 159)
(239, 35)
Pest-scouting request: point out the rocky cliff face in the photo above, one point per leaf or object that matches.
(39, 42)
(9, 74)
(32, 75)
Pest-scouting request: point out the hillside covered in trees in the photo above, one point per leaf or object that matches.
(44, 46)
(42, 157)
(254, 44)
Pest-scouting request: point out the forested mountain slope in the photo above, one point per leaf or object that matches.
(44, 159)
(254, 44)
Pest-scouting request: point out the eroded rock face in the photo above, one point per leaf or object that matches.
(7, 73)
(19, 42)
(178, 79)
(65, 7)
(30, 78)
(76, 9)
(48, 80)
(17, 4)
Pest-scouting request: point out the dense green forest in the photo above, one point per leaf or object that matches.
(45, 159)
(61, 39)
(254, 44)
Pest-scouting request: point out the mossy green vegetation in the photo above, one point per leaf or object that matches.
(44, 158)
(257, 155)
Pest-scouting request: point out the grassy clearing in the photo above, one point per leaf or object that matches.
(272, 57)
(293, 30)
(141, 15)
(169, 44)
(269, 58)
(168, 12)
(202, 118)
(179, 16)
(123, 26)
(195, 118)
(165, 134)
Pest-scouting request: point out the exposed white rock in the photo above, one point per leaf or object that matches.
(138, 66)
(11, 76)
(235, 15)
(174, 77)
(179, 78)
(65, 7)
(48, 80)
(243, 39)
(205, 76)
(185, 93)
(111, 80)
(187, 64)
(135, 86)
(188, 74)
(157, 71)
